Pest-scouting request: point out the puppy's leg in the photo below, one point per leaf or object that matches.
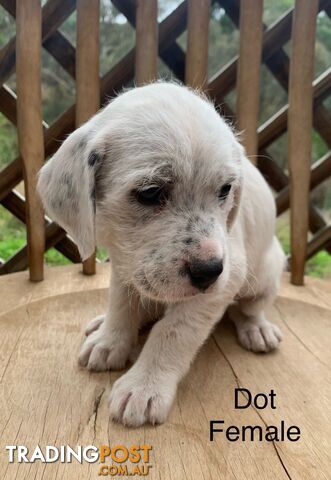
(255, 332)
(146, 392)
(111, 337)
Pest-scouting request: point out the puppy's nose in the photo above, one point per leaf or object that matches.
(204, 273)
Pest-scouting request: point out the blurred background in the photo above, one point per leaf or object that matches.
(117, 38)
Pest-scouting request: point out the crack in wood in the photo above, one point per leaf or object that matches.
(238, 382)
(95, 411)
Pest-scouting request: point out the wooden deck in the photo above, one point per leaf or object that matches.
(46, 399)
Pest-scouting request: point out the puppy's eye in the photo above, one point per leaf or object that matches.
(153, 195)
(224, 191)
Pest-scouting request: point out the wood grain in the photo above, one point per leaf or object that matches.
(196, 68)
(87, 75)
(29, 123)
(146, 42)
(54, 12)
(299, 129)
(248, 79)
(56, 402)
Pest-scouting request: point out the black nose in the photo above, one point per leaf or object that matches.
(204, 273)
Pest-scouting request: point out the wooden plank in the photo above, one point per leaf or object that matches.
(248, 80)
(318, 242)
(62, 305)
(196, 74)
(55, 43)
(111, 82)
(278, 63)
(87, 74)
(298, 401)
(54, 13)
(278, 180)
(274, 37)
(277, 124)
(55, 237)
(29, 122)
(299, 129)
(15, 204)
(87, 60)
(173, 56)
(62, 51)
(320, 171)
(11, 175)
(315, 292)
(279, 67)
(146, 42)
(329, 130)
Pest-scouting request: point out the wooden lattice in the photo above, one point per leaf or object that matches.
(273, 56)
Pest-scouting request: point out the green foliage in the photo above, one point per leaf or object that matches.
(319, 265)
(8, 142)
(54, 258)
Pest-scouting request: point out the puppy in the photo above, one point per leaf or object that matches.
(160, 179)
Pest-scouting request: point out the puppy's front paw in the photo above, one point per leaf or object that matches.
(138, 398)
(104, 349)
(259, 337)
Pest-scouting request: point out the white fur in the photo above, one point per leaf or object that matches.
(167, 135)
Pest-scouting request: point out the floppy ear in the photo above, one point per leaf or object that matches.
(66, 187)
(239, 153)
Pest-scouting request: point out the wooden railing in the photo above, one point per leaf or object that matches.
(38, 27)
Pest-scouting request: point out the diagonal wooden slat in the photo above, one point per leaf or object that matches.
(322, 122)
(279, 181)
(277, 124)
(119, 75)
(15, 204)
(62, 51)
(320, 171)
(172, 55)
(317, 243)
(274, 37)
(19, 261)
(53, 15)
(111, 82)
(56, 44)
(278, 62)
(8, 104)
(221, 83)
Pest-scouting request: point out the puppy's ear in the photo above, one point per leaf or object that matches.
(239, 154)
(66, 187)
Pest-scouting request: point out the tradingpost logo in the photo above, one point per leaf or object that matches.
(117, 460)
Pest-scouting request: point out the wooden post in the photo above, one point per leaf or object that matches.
(87, 74)
(248, 75)
(196, 68)
(29, 125)
(146, 41)
(300, 129)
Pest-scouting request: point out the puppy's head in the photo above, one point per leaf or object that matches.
(155, 177)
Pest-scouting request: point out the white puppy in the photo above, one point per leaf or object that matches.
(160, 179)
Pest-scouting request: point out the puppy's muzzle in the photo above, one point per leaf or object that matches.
(203, 273)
